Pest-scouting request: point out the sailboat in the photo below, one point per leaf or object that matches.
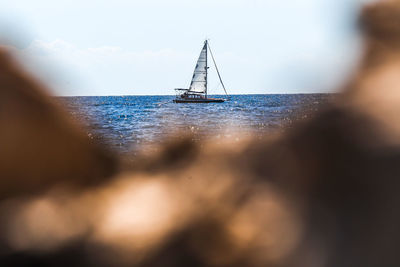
(197, 92)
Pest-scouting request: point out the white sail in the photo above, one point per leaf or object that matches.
(199, 80)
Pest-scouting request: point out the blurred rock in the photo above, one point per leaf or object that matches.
(326, 193)
(40, 146)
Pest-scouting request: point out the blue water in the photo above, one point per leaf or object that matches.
(126, 123)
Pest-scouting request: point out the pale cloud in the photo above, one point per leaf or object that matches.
(108, 70)
(71, 70)
(150, 47)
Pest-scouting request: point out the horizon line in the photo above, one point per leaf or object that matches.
(308, 93)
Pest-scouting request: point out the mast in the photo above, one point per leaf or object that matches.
(206, 66)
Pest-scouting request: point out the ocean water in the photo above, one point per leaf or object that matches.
(127, 123)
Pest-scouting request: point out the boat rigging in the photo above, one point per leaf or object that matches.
(197, 92)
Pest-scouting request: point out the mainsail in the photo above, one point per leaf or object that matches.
(199, 80)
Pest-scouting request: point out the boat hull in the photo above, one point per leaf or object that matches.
(207, 100)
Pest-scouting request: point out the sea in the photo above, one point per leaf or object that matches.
(127, 124)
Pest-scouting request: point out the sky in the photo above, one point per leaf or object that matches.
(150, 47)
